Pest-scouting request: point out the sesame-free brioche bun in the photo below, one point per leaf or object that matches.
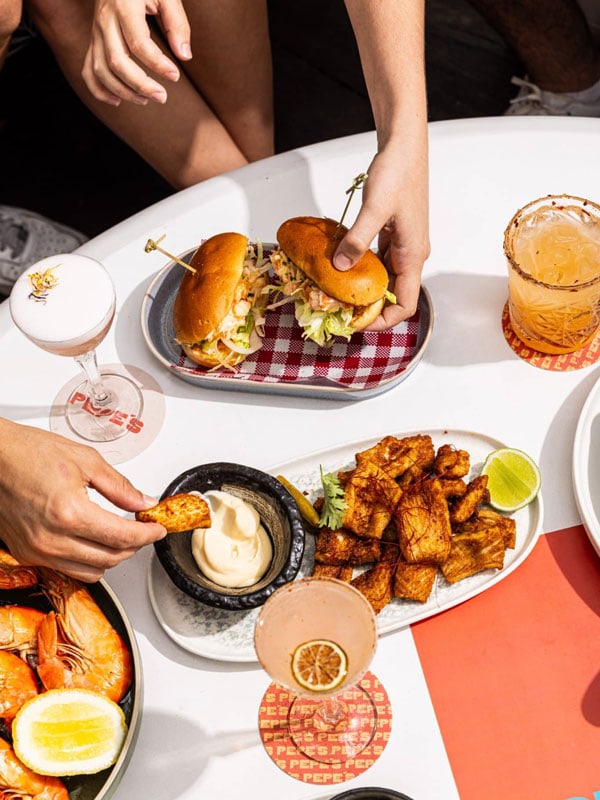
(205, 297)
(309, 243)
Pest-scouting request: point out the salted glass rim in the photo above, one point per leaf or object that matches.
(524, 211)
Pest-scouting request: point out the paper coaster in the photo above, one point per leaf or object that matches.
(140, 432)
(277, 740)
(564, 362)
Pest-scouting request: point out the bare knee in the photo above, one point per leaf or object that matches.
(10, 17)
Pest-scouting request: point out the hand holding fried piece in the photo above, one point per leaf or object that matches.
(180, 512)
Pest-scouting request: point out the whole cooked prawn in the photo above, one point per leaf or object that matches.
(14, 575)
(77, 645)
(17, 684)
(18, 782)
(18, 628)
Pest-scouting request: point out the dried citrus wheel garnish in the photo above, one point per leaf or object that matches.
(305, 507)
(319, 665)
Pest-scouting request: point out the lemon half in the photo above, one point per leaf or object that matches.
(319, 665)
(514, 479)
(69, 732)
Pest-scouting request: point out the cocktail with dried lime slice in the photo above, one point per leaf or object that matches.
(316, 637)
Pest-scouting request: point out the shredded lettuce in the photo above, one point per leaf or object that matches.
(321, 326)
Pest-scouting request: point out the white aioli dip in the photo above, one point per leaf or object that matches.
(236, 550)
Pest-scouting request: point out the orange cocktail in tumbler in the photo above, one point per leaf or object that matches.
(553, 251)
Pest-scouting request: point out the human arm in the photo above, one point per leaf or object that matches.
(394, 207)
(46, 515)
(122, 50)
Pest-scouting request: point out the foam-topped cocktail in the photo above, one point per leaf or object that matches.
(65, 304)
(316, 637)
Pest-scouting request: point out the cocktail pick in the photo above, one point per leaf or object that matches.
(153, 245)
(357, 183)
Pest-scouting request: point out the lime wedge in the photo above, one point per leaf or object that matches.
(514, 479)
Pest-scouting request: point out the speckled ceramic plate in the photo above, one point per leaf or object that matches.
(102, 785)
(228, 636)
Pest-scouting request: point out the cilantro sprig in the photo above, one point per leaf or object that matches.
(334, 504)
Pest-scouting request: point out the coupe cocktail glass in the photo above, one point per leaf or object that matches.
(65, 304)
(333, 725)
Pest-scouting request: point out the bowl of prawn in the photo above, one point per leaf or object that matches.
(101, 785)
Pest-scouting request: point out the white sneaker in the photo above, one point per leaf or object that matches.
(26, 237)
(533, 101)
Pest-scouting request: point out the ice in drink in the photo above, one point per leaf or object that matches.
(65, 304)
(553, 251)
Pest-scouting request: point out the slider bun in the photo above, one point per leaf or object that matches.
(205, 298)
(309, 242)
(207, 360)
(367, 315)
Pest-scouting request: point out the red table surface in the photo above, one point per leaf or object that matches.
(514, 676)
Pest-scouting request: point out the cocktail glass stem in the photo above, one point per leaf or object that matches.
(89, 367)
(329, 714)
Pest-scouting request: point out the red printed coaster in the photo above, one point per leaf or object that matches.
(564, 362)
(273, 723)
(140, 431)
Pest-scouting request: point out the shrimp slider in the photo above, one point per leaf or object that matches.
(328, 302)
(218, 311)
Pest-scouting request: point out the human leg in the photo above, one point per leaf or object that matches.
(552, 39)
(183, 140)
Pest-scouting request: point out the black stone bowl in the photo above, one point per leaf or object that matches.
(278, 513)
(371, 793)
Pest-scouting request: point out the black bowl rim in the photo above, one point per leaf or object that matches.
(363, 791)
(292, 563)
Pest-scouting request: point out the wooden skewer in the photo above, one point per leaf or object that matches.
(153, 245)
(357, 183)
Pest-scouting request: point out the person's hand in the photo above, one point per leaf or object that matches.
(46, 515)
(122, 50)
(395, 207)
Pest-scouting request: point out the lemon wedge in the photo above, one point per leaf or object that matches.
(68, 732)
(514, 479)
(319, 665)
(305, 507)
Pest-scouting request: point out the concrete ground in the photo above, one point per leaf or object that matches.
(58, 160)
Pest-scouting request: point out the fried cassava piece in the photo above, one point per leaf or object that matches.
(410, 515)
(178, 513)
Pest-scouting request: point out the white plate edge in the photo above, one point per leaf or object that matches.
(579, 467)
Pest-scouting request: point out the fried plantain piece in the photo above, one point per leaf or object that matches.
(476, 494)
(180, 512)
(473, 552)
(341, 547)
(451, 463)
(396, 456)
(414, 581)
(376, 585)
(368, 488)
(487, 518)
(341, 572)
(423, 522)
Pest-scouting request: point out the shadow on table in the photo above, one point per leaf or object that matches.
(176, 753)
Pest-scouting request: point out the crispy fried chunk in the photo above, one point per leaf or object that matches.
(376, 585)
(396, 456)
(487, 518)
(423, 523)
(180, 512)
(414, 581)
(451, 463)
(453, 487)
(341, 547)
(369, 487)
(473, 552)
(476, 494)
(341, 572)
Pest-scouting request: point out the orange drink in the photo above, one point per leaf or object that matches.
(553, 251)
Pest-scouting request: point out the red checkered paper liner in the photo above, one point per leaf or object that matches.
(368, 359)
